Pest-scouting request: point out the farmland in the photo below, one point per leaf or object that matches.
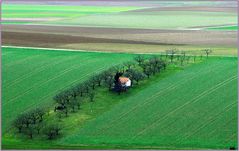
(193, 104)
(148, 26)
(30, 83)
(185, 120)
(224, 28)
(51, 47)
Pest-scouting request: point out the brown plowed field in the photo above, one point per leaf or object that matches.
(36, 34)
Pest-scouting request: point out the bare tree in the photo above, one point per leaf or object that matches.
(110, 82)
(194, 58)
(207, 51)
(129, 64)
(148, 71)
(65, 111)
(91, 96)
(80, 89)
(27, 120)
(106, 74)
(138, 76)
(40, 112)
(33, 116)
(171, 53)
(52, 131)
(19, 123)
(92, 82)
(73, 104)
(182, 58)
(140, 59)
(86, 87)
(60, 98)
(145, 65)
(30, 131)
(38, 127)
(98, 78)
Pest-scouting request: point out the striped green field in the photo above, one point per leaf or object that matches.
(33, 77)
(53, 12)
(154, 20)
(193, 107)
(113, 17)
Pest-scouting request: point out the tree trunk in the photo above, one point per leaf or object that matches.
(19, 129)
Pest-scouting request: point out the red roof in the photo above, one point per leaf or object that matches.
(123, 80)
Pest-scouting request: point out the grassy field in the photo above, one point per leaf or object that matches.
(53, 12)
(114, 16)
(224, 28)
(188, 109)
(193, 106)
(180, 108)
(159, 20)
(33, 77)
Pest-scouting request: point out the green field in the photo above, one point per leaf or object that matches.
(233, 28)
(190, 107)
(114, 16)
(46, 12)
(33, 77)
(159, 20)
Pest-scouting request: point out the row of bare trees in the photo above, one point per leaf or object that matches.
(70, 100)
(182, 57)
(137, 69)
(32, 123)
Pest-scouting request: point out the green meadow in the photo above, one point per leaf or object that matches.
(55, 11)
(230, 28)
(156, 20)
(114, 17)
(187, 109)
(33, 77)
(192, 105)
(180, 108)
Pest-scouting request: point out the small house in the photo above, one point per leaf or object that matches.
(124, 81)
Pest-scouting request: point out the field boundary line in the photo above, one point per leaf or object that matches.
(95, 51)
(188, 102)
